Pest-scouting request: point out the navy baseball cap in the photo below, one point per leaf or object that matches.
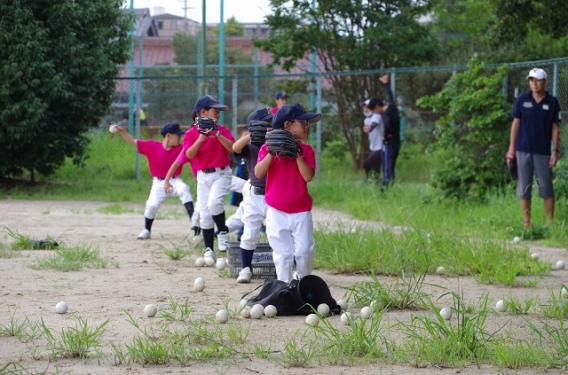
(171, 128)
(209, 101)
(292, 112)
(281, 95)
(262, 114)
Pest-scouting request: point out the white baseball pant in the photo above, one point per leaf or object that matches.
(212, 188)
(254, 213)
(158, 195)
(291, 238)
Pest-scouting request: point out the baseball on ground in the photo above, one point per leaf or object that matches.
(61, 308)
(150, 310)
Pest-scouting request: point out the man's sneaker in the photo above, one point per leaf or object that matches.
(210, 254)
(144, 235)
(244, 276)
(222, 239)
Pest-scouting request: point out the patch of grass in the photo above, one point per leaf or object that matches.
(383, 252)
(114, 209)
(297, 354)
(179, 311)
(24, 242)
(361, 340)
(76, 342)
(403, 295)
(23, 330)
(463, 339)
(72, 259)
(176, 251)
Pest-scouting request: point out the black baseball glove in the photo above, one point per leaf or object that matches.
(512, 166)
(282, 143)
(205, 125)
(257, 130)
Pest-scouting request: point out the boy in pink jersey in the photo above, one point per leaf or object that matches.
(208, 153)
(289, 225)
(160, 156)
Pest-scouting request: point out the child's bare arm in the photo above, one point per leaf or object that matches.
(241, 143)
(125, 135)
(305, 170)
(226, 142)
(175, 165)
(262, 167)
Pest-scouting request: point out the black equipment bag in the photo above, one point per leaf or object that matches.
(296, 297)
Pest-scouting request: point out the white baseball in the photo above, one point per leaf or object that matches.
(366, 312)
(560, 265)
(377, 305)
(150, 310)
(323, 309)
(199, 262)
(220, 265)
(222, 316)
(446, 313)
(257, 311)
(245, 312)
(534, 256)
(199, 284)
(113, 128)
(516, 239)
(61, 307)
(501, 306)
(312, 320)
(270, 311)
(243, 303)
(440, 270)
(342, 304)
(346, 317)
(564, 292)
(209, 262)
(170, 190)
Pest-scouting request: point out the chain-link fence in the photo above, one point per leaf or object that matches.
(168, 93)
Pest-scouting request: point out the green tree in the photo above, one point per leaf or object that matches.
(57, 57)
(232, 28)
(472, 134)
(349, 35)
(518, 17)
(497, 31)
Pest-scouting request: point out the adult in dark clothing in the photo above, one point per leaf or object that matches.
(534, 143)
(391, 140)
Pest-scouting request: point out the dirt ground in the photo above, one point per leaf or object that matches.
(146, 275)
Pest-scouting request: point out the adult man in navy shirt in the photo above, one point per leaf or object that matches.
(534, 143)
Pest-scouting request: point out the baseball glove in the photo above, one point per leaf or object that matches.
(282, 143)
(512, 166)
(206, 125)
(257, 130)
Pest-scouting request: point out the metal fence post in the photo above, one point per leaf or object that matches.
(234, 104)
(318, 129)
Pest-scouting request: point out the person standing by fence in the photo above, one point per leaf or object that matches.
(373, 126)
(391, 140)
(533, 143)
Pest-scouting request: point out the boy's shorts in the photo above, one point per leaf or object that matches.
(537, 165)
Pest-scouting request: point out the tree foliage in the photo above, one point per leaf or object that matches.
(470, 134)
(498, 30)
(349, 35)
(518, 17)
(57, 57)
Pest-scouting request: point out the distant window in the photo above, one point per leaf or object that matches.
(160, 25)
(174, 25)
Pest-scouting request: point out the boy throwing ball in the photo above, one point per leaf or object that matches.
(160, 157)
